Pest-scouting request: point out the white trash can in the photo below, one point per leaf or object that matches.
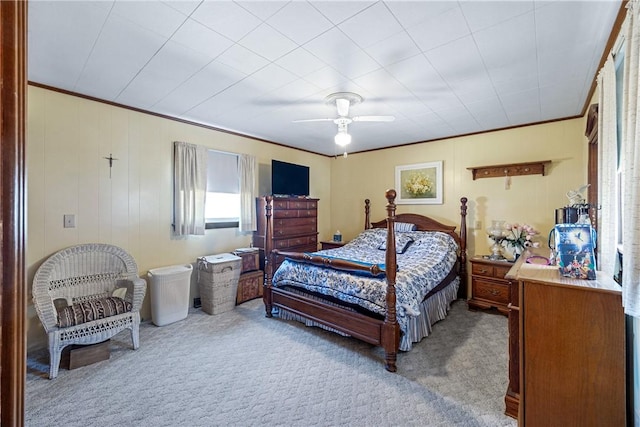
(218, 282)
(169, 293)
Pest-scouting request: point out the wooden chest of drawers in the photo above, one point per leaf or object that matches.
(250, 259)
(251, 277)
(250, 286)
(294, 223)
(489, 287)
(571, 350)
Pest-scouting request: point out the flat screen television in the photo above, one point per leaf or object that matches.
(288, 179)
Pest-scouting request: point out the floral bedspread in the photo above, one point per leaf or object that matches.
(424, 264)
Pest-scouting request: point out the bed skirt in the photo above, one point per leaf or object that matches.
(432, 309)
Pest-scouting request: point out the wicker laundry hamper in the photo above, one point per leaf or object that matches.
(218, 282)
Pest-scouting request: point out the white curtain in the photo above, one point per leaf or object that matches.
(631, 161)
(190, 187)
(247, 166)
(607, 168)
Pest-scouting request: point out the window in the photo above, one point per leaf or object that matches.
(222, 204)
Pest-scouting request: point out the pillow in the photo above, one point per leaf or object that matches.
(369, 239)
(404, 226)
(402, 243)
(95, 309)
(119, 292)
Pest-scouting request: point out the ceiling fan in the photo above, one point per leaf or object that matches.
(342, 102)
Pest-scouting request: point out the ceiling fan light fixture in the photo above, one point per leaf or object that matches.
(342, 138)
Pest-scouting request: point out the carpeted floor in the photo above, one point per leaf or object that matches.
(242, 369)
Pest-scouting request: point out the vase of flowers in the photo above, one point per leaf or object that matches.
(518, 237)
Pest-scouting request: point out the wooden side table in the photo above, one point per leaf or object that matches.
(251, 278)
(331, 244)
(489, 287)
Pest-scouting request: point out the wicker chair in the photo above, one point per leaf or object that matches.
(77, 281)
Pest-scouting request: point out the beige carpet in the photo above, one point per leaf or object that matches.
(240, 368)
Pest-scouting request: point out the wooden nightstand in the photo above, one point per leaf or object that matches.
(330, 244)
(489, 288)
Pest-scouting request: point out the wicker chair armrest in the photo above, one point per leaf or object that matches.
(136, 290)
(46, 310)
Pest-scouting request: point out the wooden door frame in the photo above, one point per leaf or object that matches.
(13, 42)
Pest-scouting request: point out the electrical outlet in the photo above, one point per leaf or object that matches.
(197, 303)
(69, 221)
(478, 225)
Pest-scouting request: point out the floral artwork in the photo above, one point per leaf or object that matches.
(419, 183)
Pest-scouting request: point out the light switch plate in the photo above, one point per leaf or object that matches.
(69, 221)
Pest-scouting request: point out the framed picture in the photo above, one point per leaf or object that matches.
(419, 184)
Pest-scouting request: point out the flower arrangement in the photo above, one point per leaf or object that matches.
(418, 184)
(519, 237)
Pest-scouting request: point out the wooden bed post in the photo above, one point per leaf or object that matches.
(391, 328)
(462, 288)
(268, 261)
(367, 218)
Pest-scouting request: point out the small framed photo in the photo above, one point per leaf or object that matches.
(419, 184)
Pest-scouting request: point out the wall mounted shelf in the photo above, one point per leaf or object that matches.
(509, 169)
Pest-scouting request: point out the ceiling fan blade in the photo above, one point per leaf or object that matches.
(312, 120)
(343, 106)
(373, 118)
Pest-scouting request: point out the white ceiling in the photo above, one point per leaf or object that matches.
(442, 68)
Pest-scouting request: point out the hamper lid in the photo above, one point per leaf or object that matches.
(246, 250)
(220, 258)
(172, 269)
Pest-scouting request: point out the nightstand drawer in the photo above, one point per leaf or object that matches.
(488, 290)
(487, 270)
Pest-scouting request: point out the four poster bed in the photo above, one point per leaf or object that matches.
(353, 290)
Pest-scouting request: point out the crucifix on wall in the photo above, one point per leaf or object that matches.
(111, 159)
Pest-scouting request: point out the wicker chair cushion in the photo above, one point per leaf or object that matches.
(87, 311)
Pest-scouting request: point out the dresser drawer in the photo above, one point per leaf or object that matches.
(491, 291)
(302, 204)
(281, 223)
(488, 270)
(295, 230)
(305, 248)
(295, 213)
(291, 245)
(303, 244)
(294, 204)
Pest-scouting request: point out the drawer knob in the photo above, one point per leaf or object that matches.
(494, 292)
(484, 271)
